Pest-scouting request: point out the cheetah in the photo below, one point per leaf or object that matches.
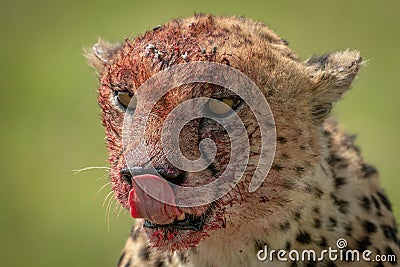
(318, 190)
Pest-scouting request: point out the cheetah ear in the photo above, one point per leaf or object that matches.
(332, 75)
(101, 53)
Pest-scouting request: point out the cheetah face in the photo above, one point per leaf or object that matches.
(299, 94)
(171, 225)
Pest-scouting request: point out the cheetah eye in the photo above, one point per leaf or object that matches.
(125, 100)
(221, 107)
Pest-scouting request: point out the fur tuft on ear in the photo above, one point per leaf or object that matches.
(332, 75)
(101, 53)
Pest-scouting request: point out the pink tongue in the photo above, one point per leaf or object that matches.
(142, 205)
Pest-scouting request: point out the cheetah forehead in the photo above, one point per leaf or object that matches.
(251, 47)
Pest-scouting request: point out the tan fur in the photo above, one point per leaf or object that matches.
(318, 190)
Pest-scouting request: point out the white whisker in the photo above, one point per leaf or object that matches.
(105, 200)
(102, 177)
(91, 168)
(108, 210)
(101, 188)
(120, 209)
(116, 206)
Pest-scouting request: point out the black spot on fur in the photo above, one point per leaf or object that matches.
(297, 216)
(322, 243)
(159, 262)
(316, 210)
(121, 258)
(318, 192)
(293, 264)
(376, 203)
(368, 170)
(311, 264)
(211, 167)
(304, 238)
(369, 227)
(285, 226)
(288, 246)
(330, 264)
(317, 223)
(281, 140)
(389, 232)
(302, 147)
(333, 159)
(144, 253)
(285, 42)
(379, 264)
(366, 203)
(128, 264)
(363, 243)
(264, 199)
(349, 229)
(385, 201)
(285, 156)
(389, 251)
(326, 133)
(277, 167)
(259, 245)
(337, 161)
(348, 142)
(183, 258)
(332, 223)
(339, 181)
(341, 204)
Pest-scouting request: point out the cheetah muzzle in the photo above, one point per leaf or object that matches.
(151, 207)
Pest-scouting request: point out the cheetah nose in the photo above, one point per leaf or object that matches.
(173, 176)
(168, 175)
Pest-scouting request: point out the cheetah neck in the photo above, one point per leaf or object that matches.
(238, 246)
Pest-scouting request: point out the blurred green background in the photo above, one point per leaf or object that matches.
(50, 119)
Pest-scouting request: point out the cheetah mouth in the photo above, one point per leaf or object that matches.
(160, 212)
(191, 222)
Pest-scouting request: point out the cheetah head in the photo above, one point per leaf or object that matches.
(300, 95)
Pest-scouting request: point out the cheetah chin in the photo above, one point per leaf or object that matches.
(318, 190)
